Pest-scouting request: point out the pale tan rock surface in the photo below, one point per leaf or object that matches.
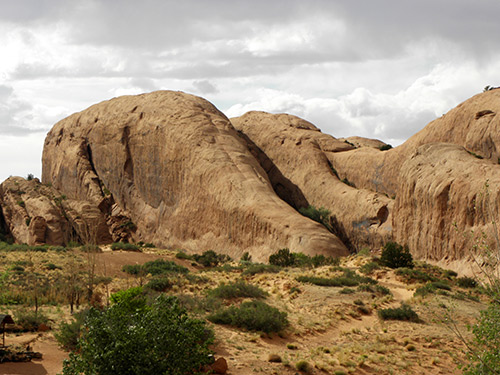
(30, 212)
(363, 142)
(446, 200)
(295, 155)
(174, 165)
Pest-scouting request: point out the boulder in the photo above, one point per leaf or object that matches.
(296, 157)
(177, 169)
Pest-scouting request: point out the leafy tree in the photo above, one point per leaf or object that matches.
(283, 258)
(132, 337)
(396, 256)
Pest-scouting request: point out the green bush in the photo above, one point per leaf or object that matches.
(254, 269)
(396, 256)
(320, 215)
(133, 337)
(29, 320)
(210, 258)
(347, 291)
(125, 246)
(161, 266)
(414, 275)
(376, 289)
(283, 258)
(159, 284)
(183, 255)
(303, 366)
(349, 278)
(466, 282)
(404, 312)
(253, 315)
(431, 288)
(236, 290)
(368, 268)
(69, 333)
(385, 147)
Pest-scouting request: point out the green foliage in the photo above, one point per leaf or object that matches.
(154, 267)
(130, 339)
(30, 320)
(405, 313)
(349, 278)
(385, 147)
(246, 257)
(320, 215)
(236, 290)
(485, 353)
(431, 288)
(21, 203)
(283, 258)
(183, 255)
(210, 258)
(414, 275)
(467, 282)
(369, 267)
(253, 315)
(257, 268)
(124, 246)
(69, 333)
(303, 366)
(159, 284)
(347, 291)
(375, 289)
(30, 176)
(396, 256)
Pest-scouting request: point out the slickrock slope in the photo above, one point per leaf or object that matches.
(174, 165)
(296, 156)
(446, 194)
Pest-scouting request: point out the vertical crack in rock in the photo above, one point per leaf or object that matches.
(282, 186)
(129, 164)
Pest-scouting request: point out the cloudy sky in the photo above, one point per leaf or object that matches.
(380, 69)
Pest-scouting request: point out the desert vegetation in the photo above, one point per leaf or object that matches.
(316, 314)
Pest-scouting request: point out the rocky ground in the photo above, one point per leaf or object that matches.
(331, 331)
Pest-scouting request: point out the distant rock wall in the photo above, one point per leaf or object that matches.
(174, 165)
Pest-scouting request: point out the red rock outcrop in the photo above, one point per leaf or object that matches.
(175, 166)
(296, 156)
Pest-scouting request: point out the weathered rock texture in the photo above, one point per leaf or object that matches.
(175, 166)
(37, 214)
(296, 157)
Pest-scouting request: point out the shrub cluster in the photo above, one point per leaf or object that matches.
(349, 278)
(404, 312)
(256, 268)
(210, 258)
(252, 315)
(396, 256)
(414, 275)
(125, 246)
(285, 258)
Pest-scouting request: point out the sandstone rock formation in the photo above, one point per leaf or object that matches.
(296, 157)
(177, 169)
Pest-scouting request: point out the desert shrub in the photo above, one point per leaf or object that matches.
(254, 269)
(29, 320)
(404, 312)
(368, 268)
(449, 274)
(183, 255)
(198, 304)
(161, 266)
(414, 275)
(253, 315)
(320, 215)
(376, 289)
(149, 245)
(283, 258)
(396, 256)
(68, 334)
(52, 267)
(159, 284)
(125, 246)
(466, 282)
(134, 337)
(132, 269)
(431, 288)
(385, 147)
(236, 290)
(210, 258)
(89, 248)
(303, 366)
(349, 278)
(246, 257)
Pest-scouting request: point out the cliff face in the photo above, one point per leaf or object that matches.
(175, 166)
(169, 168)
(296, 157)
